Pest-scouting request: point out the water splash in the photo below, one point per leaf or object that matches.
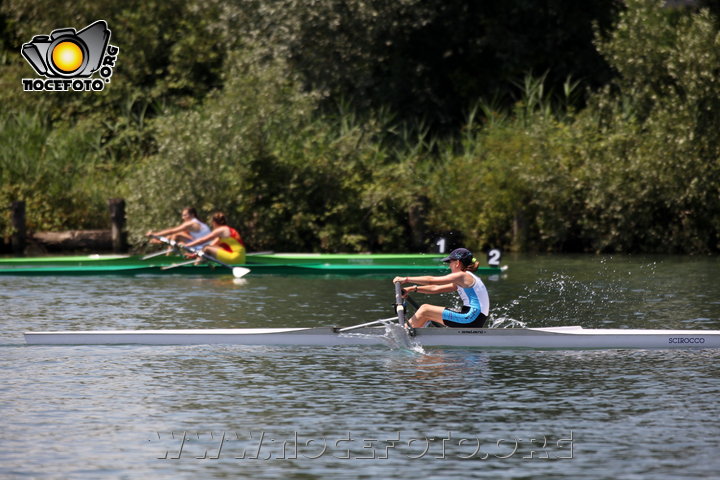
(507, 322)
(395, 336)
(588, 297)
(398, 337)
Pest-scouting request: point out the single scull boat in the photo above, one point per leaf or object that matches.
(384, 331)
(532, 338)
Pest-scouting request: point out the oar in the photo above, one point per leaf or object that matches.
(399, 308)
(166, 240)
(412, 302)
(175, 265)
(264, 252)
(416, 306)
(383, 321)
(238, 272)
(157, 254)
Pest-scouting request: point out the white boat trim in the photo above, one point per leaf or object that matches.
(572, 337)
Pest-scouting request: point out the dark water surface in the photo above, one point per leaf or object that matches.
(361, 412)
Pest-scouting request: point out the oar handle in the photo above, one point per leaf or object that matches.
(194, 250)
(399, 308)
(199, 252)
(170, 242)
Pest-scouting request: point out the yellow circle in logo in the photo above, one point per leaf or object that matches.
(67, 56)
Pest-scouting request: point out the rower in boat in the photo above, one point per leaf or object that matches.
(472, 291)
(223, 242)
(190, 230)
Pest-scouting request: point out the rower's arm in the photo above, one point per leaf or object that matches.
(210, 236)
(168, 231)
(432, 280)
(183, 227)
(431, 289)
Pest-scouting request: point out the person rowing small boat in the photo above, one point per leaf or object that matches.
(472, 291)
(189, 230)
(224, 242)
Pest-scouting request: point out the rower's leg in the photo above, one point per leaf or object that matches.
(426, 313)
(180, 237)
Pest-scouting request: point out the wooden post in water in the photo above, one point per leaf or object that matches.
(117, 225)
(19, 235)
(417, 216)
(520, 231)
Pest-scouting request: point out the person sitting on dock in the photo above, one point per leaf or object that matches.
(472, 291)
(223, 242)
(190, 230)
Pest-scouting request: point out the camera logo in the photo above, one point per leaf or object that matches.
(68, 59)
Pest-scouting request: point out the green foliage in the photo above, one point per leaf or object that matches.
(661, 191)
(333, 126)
(510, 181)
(58, 172)
(170, 57)
(428, 59)
(637, 170)
(288, 179)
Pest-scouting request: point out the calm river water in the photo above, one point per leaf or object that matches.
(361, 412)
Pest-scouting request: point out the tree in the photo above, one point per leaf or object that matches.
(428, 60)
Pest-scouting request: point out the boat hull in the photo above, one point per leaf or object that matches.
(278, 264)
(518, 338)
(429, 259)
(410, 259)
(205, 269)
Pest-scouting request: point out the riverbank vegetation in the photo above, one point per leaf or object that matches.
(379, 126)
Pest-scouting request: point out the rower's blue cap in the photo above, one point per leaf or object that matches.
(463, 254)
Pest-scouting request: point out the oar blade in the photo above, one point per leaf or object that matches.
(239, 272)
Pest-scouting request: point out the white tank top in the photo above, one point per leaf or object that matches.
(201, 232)
(476, 295)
